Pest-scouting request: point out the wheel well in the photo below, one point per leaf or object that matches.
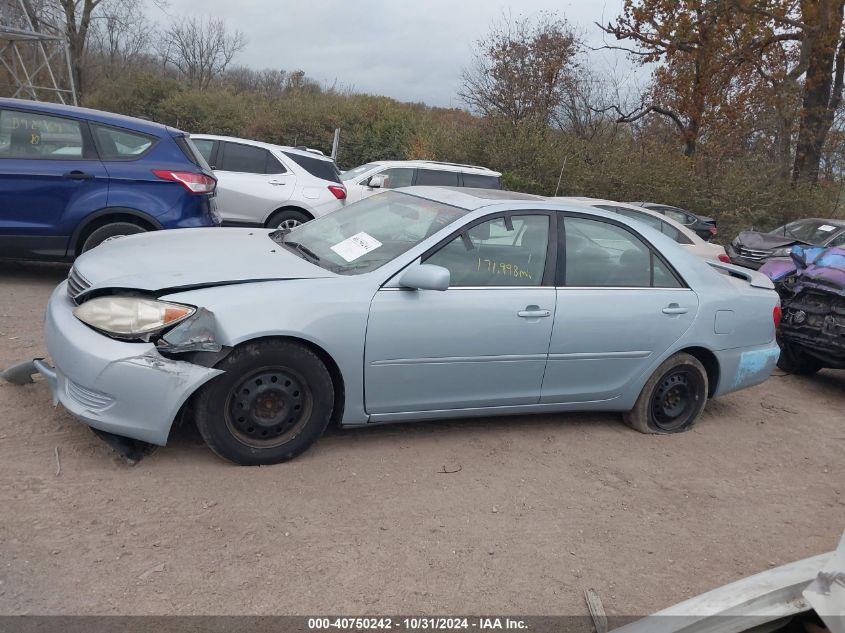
(287, 208)
(711, 365)
(109, 218)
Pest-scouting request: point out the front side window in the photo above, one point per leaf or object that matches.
(243, 158)
(205, 147)
(600, 254)
(395, 177)
(116, 144)
(437, 177)
(368, 234)
(501, 252)
(31, 135)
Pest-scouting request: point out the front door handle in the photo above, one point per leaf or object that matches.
(674, 308)
(533, 312)
(77, 175)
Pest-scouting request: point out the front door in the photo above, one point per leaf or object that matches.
(251, 183)
(50, 177)
(481, 343)
(619, 306)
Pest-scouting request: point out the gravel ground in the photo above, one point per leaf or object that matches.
(365, 522)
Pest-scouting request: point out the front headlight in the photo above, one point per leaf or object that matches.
(782, 252)
(131, 317)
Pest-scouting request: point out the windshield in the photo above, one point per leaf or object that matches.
(813, 232)
(358, 171)
(365, 235)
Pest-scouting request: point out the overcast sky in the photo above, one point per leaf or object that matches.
(408, 50)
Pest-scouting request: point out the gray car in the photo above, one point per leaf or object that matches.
(413, 304)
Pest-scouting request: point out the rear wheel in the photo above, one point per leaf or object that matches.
(673, 397)
(287, 219)
(274, 400)
(108, 232)
(793, 361)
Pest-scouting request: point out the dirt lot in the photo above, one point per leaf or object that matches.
(541, 508)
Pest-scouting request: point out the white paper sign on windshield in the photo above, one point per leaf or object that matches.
(826, 228)
(354, 247)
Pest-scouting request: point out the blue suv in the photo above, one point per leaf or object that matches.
(71, 178)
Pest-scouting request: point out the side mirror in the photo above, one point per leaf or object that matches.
(425, 277)
(377, 182)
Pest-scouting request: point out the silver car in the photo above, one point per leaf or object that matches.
(413, 304)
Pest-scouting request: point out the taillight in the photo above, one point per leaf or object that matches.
(776, 316)
(724, 258)
(193, 182)
(339, 192)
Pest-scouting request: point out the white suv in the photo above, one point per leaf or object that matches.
(259, 184)
(371, 178)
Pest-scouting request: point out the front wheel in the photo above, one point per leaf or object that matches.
(673, 397)
(274, 400)
(793, 361)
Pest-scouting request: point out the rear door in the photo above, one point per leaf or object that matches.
(50, 178)
(619, 306)
(251, 183)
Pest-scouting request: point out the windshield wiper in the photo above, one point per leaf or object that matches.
(309, 254)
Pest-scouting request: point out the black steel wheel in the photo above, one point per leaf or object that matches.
(673, 397)
(274, 399)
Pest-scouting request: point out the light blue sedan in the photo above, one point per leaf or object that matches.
(414, 304)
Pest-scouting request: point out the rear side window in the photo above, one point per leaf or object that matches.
(599, 254)
(318, 167)
(480, 181)
(243, 158)
(437, 178)
(117, 144)
(31, 135)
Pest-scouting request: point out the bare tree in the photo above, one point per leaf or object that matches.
(200, 49)
(521, 68)
(120, 35)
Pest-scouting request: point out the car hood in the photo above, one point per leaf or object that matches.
(191, 258)
(766, 241)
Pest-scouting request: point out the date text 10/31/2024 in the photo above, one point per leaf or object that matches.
(416, 623)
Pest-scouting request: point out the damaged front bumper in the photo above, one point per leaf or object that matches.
(120, 387)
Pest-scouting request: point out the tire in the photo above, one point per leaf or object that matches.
(274, 400)
(108, 231)
(673, 397)
(793, 361)
(287, 219)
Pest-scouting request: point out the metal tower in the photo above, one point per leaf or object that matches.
(34, 57)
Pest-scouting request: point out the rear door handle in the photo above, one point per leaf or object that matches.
(276, 182)
(533, 312)
(77, 175)
(674, 308)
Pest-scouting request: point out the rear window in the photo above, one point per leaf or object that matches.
(191, 152)
(318, 167)
(437, 178)
(480, 181)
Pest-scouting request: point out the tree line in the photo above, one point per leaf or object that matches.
(739, 117)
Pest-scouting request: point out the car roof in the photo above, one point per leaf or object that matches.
(592, 202)
(271, 146)
(97, 116)
(437, 165)
(469, 198)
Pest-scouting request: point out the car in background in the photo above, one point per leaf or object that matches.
(365, 180)
(71, 178)
(703, 226)
(419, 303)
(752, 249)
(274, 186)
(663, 223)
